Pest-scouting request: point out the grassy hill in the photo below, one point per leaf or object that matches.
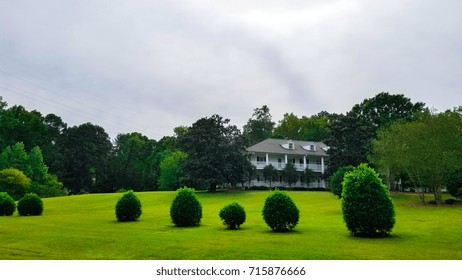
(85, 227)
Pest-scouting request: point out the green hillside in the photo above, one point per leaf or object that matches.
(85, 227)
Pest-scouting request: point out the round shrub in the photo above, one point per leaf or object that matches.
(366, 204)
(280, 212)
(232, 215)
(30, 205)
(335, 182)
(128, 208)
(186, 210)
(7, 204)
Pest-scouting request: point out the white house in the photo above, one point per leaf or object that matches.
(278, 152)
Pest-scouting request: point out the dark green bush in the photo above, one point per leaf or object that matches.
(280, 212)
(128, 208)
(450, 201)
(186, 210)
(7, 204)
(366, 204)
(336, 180)
(433, 202)
(232, 215)
(30, 205)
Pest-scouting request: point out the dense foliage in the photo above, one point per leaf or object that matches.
(366, 204)
(14, 182)
(30, 205)
(216, 153)
(7, 204)
(427, 150)
(232, 215)
(186, 210)
(280, 212)
(128, 207)
(336, 180)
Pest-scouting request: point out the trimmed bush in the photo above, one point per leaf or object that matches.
(280, 212)
(366, 204)
(128, 208)
(232, 215)
(7, 204)
(186, 210)
(335, 182)
(30, 205)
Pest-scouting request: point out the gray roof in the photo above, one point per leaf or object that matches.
(275, 146)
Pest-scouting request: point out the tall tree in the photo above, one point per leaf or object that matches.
(290, 174)
(425, 149)
(129, 160)
(216, 151)
(269, 173)
(349, 141)
(171, 171)
(351, 134)
(84, 165)
(259, 127)
(313, 128)
(384, 109)
(19, 125)
(288, 128)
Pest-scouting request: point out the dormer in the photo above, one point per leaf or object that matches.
(310, 147)
(289, 145)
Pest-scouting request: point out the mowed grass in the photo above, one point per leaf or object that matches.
(85, 227)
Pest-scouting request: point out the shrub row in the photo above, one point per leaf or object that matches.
(30, 205)
(280, 212)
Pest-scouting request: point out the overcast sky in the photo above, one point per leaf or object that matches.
(149, 66)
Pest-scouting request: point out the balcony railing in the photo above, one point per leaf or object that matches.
(281, 166)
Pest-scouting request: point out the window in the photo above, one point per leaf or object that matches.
(291, 146)
(312, 147)
(301, 161)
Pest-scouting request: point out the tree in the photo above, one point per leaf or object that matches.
(352, 134)
(290, 174)
(216, 153)
(16, 157)
(130, 161)
(43, 184)
(308, 176)
(349, 141)
(269, 173)
(336, 180)
(85, 153)
(14, 182)
(288, 128)
(171, 171)
(259, 127)
(19, 125)
(366, 204)
(425, 150)
(314, 128)
(384, 109)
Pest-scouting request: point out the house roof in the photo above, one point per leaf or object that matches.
(280, 146)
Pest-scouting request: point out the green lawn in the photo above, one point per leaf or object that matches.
(85, 227)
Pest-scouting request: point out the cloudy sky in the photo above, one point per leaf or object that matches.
(149, 66)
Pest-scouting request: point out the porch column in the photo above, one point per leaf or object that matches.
(304, 162)
(267, 159)
(285, 159)
(322, 165)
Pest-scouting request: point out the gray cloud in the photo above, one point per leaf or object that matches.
(149, 66)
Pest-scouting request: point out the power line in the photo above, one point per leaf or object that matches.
(54, 103)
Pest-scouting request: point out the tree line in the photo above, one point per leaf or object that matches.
(212, 151)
